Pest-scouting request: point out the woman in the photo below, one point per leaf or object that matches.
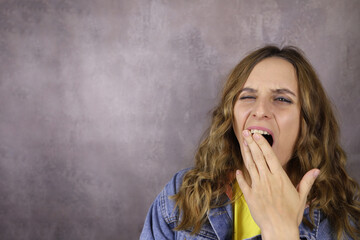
(272, 135)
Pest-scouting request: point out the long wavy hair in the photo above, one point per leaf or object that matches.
(218, 155)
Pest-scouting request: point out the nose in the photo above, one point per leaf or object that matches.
(262, 109)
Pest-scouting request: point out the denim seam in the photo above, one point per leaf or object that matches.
(310, 235)
(169, 220)
(219, 213)
(164, 213)
(206, 234)
(318, 224)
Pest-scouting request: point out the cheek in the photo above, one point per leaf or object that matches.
(290, 129)
(240, 117)
(289, 125)
(238, 126)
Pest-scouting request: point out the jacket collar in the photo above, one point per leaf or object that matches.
(305, 231)
(221, 220)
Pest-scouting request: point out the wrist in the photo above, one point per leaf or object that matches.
(280, 233)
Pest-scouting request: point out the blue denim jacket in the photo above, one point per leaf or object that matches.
(162, 218)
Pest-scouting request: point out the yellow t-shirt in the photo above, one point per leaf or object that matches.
(244, 224)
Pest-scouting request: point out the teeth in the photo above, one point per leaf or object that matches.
(259, 131)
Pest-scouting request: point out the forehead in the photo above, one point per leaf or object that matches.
(274, 73)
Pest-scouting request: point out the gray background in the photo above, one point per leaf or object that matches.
(101, 102)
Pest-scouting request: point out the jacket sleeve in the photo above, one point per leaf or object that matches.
(155, 226)
(162, 216)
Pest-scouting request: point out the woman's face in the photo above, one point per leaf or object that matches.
(269, 101)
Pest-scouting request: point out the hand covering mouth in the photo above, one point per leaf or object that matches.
(265, 134)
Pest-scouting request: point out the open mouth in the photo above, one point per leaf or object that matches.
(265, 134)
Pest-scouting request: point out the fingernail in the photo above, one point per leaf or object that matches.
(237, 172)
(256, 136)
(316, 173)
(246, 133)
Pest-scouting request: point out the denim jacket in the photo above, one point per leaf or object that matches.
(162, 218)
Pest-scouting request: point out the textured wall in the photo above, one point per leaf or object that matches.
(101, 102)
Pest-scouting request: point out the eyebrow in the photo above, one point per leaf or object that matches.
(279, 90)
(284, 90)
(248, 90)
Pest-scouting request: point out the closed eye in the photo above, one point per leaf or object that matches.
(247, 97)
(282, 99)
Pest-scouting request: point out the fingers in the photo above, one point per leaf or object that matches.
(250, 164)
(256, 152)
(268, 153)
(306, 183)
(245, 188)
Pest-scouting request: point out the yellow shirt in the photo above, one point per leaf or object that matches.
(244, 224)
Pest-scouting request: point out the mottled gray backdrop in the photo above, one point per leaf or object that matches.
(101, 102)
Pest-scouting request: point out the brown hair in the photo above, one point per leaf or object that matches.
(218, 155)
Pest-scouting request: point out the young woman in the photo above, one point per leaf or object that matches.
(270, 166)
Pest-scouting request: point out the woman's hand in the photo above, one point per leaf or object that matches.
(275, 204)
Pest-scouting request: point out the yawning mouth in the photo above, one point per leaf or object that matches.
(265, 134)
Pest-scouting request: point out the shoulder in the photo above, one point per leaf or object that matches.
(168, 208)
(162, 216)
(173, 186)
